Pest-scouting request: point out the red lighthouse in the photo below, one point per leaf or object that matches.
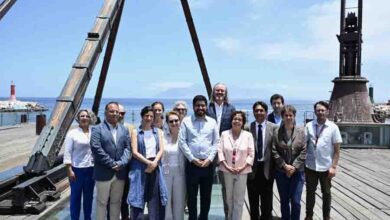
(12, 97)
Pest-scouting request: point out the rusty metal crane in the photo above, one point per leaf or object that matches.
(28, 191)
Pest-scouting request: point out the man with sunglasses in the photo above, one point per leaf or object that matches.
(124, 206)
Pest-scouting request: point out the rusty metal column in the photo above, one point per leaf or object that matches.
(198, 50)
(360, 26)
(5, 6)
(106, 60)
(342, 24)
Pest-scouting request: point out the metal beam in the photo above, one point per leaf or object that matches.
(198, 50)
(106, 61)
(5, 6)
(68, 103)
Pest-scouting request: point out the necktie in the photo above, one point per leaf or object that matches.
(259, 143)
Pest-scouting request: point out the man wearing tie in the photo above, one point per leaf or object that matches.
(260, 181)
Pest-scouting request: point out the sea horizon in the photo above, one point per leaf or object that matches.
(133, 107)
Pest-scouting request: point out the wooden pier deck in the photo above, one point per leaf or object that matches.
(361, 188)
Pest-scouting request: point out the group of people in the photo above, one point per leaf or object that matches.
(167, 159)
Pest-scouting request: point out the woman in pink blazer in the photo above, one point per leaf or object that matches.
(236, 155)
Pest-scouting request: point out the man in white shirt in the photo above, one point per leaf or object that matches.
(323, 152)
(260, 181)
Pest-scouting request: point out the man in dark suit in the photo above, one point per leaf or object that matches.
(260, 181)
(221, 110)
(277, 102)
(110, 145)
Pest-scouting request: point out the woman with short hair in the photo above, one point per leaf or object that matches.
(181, 108)
(289, 153)
(79, 164)
(174, 169)
(147, 183)
(236, 155)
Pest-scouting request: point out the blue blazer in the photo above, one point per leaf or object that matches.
(107, 154)
(227, 111)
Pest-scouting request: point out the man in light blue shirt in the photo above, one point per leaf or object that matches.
(323, 140)
(198, 140)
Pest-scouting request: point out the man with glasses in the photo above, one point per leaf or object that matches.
(198, 140)
(110, 145)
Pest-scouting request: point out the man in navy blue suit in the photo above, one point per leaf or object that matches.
(110, 145)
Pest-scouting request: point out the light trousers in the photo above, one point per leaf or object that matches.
(235, 194)
(113, 190)
(176, 185)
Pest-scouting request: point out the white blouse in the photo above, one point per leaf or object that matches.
(150, 144)
(78, 149)
(171, 152)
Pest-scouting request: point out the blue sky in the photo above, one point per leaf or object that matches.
(256, 47)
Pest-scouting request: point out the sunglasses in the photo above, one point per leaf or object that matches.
(181, 109)
(122, 113)
(174, 121)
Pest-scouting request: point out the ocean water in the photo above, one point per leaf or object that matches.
(133, 107)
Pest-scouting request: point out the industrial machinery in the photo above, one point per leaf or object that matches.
(27, 192)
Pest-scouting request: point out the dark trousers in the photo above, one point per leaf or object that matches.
(156, 211)
(312, 178)
(290, 191)
(81, 187)
(263, 188)
(124, 206)
(199, 177)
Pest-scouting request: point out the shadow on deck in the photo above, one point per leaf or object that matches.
(361, 190)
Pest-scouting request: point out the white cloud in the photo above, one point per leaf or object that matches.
(321, 24)
(163, 86)
(228, 44)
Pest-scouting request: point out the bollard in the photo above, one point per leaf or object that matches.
(40, 123)
(23, 118)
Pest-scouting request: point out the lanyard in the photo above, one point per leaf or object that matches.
(319, 133)
(235, 148)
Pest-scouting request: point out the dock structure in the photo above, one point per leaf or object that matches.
(360, 190)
